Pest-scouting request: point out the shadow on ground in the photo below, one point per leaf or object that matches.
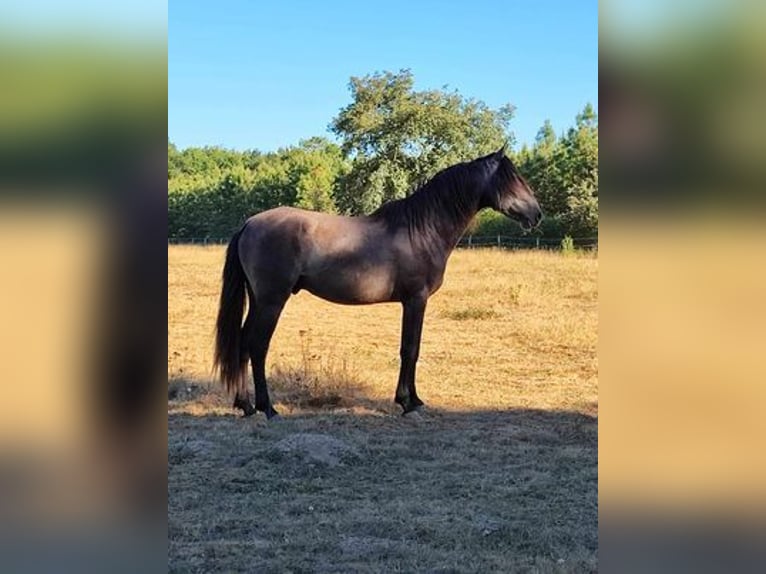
(332, 489)
(295, 390)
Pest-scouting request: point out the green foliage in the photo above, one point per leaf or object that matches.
(213, 191)
(392, 139)
(491, 223)
(398, 137)
(564, 173)
(581, 217)
(319, 164)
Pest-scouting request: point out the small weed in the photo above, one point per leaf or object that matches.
(514, 294)
(470, 313)
(568, 246)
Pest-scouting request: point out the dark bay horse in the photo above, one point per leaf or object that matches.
(396, 254)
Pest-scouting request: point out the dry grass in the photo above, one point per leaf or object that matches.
(507, 329)
(499, 476)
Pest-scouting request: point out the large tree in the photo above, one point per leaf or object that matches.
(397, 137)
(579, 168)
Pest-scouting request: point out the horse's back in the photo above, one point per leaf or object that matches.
(339, 258)
(304, 231)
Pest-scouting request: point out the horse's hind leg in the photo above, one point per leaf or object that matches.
(261, 322)
(242, 401)
(242, 398)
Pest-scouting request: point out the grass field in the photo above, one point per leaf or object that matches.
(499, 475)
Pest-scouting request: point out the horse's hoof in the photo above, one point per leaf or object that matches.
(247, 410)
(245, 406)
(275, 418)
(413, 414)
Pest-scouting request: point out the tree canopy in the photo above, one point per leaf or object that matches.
(390, 139)
(398, 137)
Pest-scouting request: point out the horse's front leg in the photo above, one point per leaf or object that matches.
(412, 328)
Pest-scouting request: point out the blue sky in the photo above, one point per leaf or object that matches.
(264, 74)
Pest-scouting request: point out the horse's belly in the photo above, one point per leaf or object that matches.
(351, 287)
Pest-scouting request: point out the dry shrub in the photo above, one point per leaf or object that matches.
(321, 380)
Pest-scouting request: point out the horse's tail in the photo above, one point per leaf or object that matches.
(229, 361)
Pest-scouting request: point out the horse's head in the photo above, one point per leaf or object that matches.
(507, 191)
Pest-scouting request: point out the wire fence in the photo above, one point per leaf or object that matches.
(468, 242)
(509, 242)
(198, 241)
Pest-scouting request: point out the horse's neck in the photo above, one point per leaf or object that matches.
(451, 229)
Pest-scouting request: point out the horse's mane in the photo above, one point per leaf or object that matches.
(448, 194)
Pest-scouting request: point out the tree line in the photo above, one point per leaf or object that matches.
(391, 139)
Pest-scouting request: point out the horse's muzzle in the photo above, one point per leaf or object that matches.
(527, 221)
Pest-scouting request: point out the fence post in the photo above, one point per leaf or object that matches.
(498, 240)
(469, 240)
(537, 241)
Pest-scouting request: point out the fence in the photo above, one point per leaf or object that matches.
(198, 241)
(468, 241)
(505, 242)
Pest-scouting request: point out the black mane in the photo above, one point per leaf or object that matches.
(451, 194)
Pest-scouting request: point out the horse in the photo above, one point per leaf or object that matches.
(395, 254)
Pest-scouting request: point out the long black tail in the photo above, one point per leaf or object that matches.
(229, 360)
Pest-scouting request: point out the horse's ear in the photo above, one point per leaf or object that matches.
(501, 152)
